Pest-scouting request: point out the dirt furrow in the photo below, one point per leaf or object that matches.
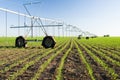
(74, 68)
(50, 71)
(109, 63)
(31, 71)
(98, 71)
(15, 68)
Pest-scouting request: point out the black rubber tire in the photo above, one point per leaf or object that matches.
(87, 37)
(79, 37)
(20, 42)
(48, 42)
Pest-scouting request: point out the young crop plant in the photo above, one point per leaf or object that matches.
(106, 49)
(24, 60)
(59, 69)
(46, 63)
(108, 53)
(15, 55)
(30, 63)
(90, 71)
(110, 71)
(104, 56)
(20, 61)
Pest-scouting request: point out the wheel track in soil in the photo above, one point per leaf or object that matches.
(37, 60)
(12, 68)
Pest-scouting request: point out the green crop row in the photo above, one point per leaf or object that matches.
(90, 71)
(102, 63)
(59, 69)
(30, 63)
(46, 63)
(108, 42)
(18, 62)
(13, 55)
(101, 54)
(10, 56)
(109, 53)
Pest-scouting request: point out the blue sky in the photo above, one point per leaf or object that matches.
(96, 16)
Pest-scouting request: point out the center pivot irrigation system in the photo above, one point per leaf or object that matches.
(81, 33)
(48, 41)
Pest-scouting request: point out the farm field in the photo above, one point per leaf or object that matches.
(71, 59)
